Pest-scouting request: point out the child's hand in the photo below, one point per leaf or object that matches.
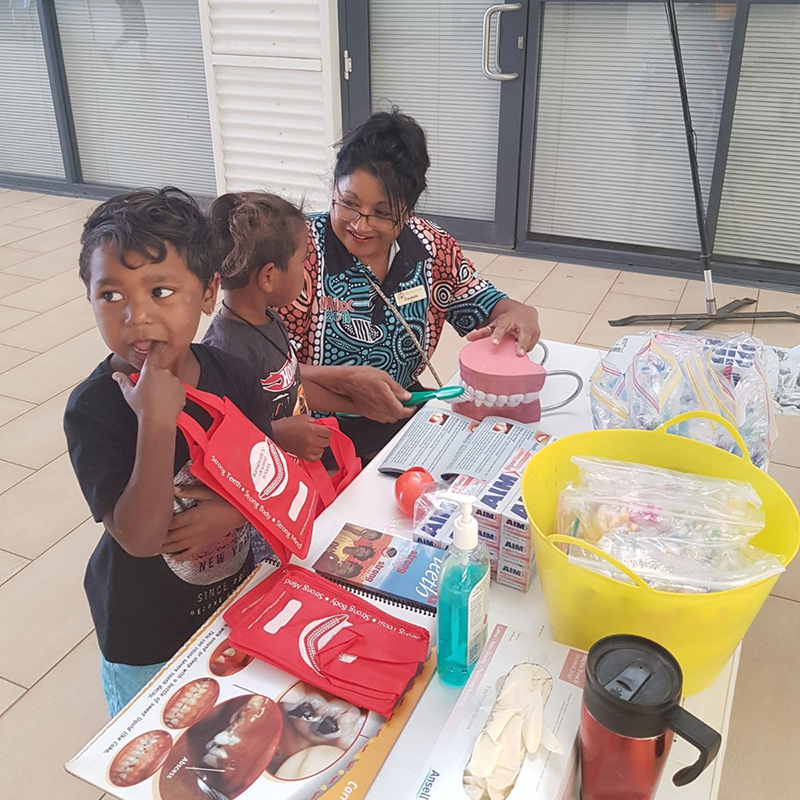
(158, 396)
(301, 436)
(198, 527)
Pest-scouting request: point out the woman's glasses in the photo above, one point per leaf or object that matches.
(378, 222)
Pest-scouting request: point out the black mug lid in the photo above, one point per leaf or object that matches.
(631, 685)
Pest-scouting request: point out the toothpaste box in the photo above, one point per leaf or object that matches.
(436, 527)
(544, 775)
(495, 495)
(490, 537)
(515, 531)
(513, 550)
(466, 484)
(516, 564)
(435, 530)
(515, 574)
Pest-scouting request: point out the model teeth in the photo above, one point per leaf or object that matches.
(490, 400)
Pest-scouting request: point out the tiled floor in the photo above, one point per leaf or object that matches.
(50, 700)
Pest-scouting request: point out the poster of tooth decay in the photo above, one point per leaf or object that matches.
(216, 724)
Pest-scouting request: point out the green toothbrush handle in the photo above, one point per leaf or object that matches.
(418, 398)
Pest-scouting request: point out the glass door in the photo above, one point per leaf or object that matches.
(456, 66)
(556, 127)
(97, 96)
(605, 163)
(137, 90)
(29, 142)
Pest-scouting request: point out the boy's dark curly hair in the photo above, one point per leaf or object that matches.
(144, 221)
(392, 147)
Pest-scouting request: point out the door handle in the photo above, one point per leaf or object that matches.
(498, 74)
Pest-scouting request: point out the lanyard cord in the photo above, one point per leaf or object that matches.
(287, 354)
(399, 317)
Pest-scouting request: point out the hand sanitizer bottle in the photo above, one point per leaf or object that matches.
(463, 602)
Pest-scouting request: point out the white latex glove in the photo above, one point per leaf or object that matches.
(515, 728)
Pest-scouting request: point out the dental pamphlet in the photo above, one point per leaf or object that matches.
(449, 444)
(215, 723)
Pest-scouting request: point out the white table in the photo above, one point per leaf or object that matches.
(369, 501)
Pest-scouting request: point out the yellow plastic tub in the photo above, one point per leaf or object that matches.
(702, 631)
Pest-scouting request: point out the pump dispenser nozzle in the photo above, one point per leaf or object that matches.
(465, 528)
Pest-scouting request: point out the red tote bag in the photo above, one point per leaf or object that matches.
(238, 461)
(349, 465)
(328, 637)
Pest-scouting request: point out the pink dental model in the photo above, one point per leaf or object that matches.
(499, 383)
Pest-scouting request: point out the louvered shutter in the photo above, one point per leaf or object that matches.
(275, 120)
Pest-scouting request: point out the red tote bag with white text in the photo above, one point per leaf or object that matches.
(240, 463)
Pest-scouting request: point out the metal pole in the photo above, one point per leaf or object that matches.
(727, 312)
(56, 72)
(702, 225)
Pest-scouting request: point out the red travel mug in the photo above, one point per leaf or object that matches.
(631, 711)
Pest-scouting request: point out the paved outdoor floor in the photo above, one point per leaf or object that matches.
(50, 699)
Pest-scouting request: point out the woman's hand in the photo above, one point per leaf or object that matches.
(376, 395)
(301, 436)
(197, 528)
(514, 319)
(371, 391)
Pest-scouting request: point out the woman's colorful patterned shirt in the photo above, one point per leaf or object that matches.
(339, 319)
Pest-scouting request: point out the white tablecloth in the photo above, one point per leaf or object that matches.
(369, 501)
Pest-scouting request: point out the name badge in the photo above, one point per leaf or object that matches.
(409, 295)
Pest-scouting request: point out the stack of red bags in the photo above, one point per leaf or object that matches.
(328, 637)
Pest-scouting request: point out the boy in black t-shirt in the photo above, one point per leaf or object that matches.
(172, 550)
